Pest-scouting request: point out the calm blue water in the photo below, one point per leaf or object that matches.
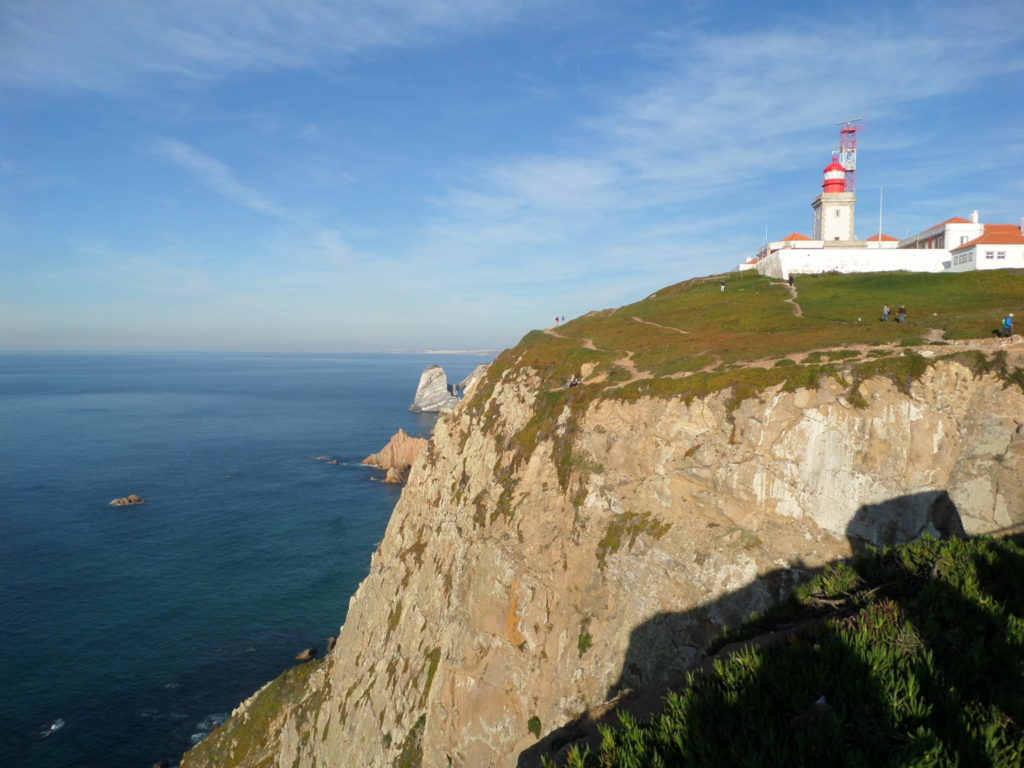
(134, 624)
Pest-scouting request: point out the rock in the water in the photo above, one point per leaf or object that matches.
(432, 394)
(128, 501)
(306, 655)
(395, 475)
(399, 454)
(466, 385)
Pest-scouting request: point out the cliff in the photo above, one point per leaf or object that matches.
(555, 546)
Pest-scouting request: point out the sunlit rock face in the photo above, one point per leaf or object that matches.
(531, 571)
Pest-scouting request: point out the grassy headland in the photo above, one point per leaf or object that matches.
(693, 328)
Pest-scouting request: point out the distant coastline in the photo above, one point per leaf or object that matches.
(482, 352)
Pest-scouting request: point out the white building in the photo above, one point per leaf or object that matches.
(957, 244)
(1000, 246)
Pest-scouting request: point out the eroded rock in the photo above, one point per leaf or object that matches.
(432, 393)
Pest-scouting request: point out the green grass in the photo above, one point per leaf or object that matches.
(912, 656)
(752, 321)
(965, 305)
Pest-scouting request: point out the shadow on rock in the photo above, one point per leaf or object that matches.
(815, 712)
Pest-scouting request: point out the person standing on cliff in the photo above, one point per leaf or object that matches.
(886, 310)
(1008, 326)
(901, 314)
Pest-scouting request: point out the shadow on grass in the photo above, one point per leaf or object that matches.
(913, 656)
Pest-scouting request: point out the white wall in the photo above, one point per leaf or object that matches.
(1014, 257)
(807, 261)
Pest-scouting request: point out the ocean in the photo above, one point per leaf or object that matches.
(126, 633)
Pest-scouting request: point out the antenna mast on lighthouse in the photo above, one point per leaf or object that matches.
(847, 152)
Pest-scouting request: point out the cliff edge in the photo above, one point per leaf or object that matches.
(556, 545)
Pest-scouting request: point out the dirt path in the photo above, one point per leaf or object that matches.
(798, 311)
(659, 325)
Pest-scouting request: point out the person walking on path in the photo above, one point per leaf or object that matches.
(1008, 326)
(722, 286)
(886, 310)
(901, 314)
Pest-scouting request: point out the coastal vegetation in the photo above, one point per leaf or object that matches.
(691, 338)
(909, 656)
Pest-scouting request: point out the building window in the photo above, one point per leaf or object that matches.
(1000, 254)
(989, 255)
(963, 239)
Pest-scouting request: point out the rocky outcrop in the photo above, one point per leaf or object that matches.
(550, 552)
(468, 384)
(397, 456)
(128, 501)
(432, 394)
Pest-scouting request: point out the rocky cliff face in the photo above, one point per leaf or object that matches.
(538, 564)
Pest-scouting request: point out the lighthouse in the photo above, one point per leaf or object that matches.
(833, 208)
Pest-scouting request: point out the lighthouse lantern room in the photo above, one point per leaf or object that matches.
(834, 207)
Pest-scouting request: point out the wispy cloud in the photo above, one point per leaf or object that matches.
(114, 44)
(716, 112)
(320, 243)
(216, 176)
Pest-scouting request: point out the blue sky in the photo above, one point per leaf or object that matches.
(381, 175)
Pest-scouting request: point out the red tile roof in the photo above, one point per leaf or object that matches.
(795, 236)
(1010, 229)
(954, 220)
(996, 234)
(883, 237)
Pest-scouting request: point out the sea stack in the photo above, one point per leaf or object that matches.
(432, 394)
(397, 456)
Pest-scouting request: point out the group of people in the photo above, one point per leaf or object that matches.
(901, 317)
(574, 381)
(559, 320)
(901, 313)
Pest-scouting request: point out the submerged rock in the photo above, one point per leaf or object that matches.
(433, 394)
